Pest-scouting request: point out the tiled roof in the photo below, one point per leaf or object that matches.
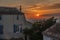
(53, 31)
(9, 10)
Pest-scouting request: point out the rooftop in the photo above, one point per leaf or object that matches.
(53, 31)
(9, 10)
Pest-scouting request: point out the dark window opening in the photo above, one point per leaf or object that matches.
(0, 17)
(17, 17)
(1, 29)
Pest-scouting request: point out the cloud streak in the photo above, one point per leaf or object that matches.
(46, 7)
(32, 4)
(54, 6)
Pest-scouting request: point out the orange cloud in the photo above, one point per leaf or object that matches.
(44, 8)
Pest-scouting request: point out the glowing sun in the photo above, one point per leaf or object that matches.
(37, 14)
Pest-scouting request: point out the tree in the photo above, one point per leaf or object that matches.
(39, 27)
(25, 31)
(35, 32)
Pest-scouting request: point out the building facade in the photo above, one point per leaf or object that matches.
(12, 22)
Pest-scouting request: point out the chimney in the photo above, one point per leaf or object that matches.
(20, 8)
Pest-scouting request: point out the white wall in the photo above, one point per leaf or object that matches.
(58, 21)
(49, 38)
(46, 38)
(8, 21)
(7, 25)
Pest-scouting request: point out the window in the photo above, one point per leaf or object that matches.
(20, 27)
(0, 17)
(17, 28)
(1, 29)
(17, 17)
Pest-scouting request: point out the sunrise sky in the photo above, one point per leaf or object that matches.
(34, 7)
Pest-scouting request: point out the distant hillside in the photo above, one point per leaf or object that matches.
(52, 14)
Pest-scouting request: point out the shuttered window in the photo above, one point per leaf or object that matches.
(17, 28)
(1, 29)
(20, 27)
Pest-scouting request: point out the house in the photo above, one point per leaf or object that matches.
(12, 22)
(52, 33)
